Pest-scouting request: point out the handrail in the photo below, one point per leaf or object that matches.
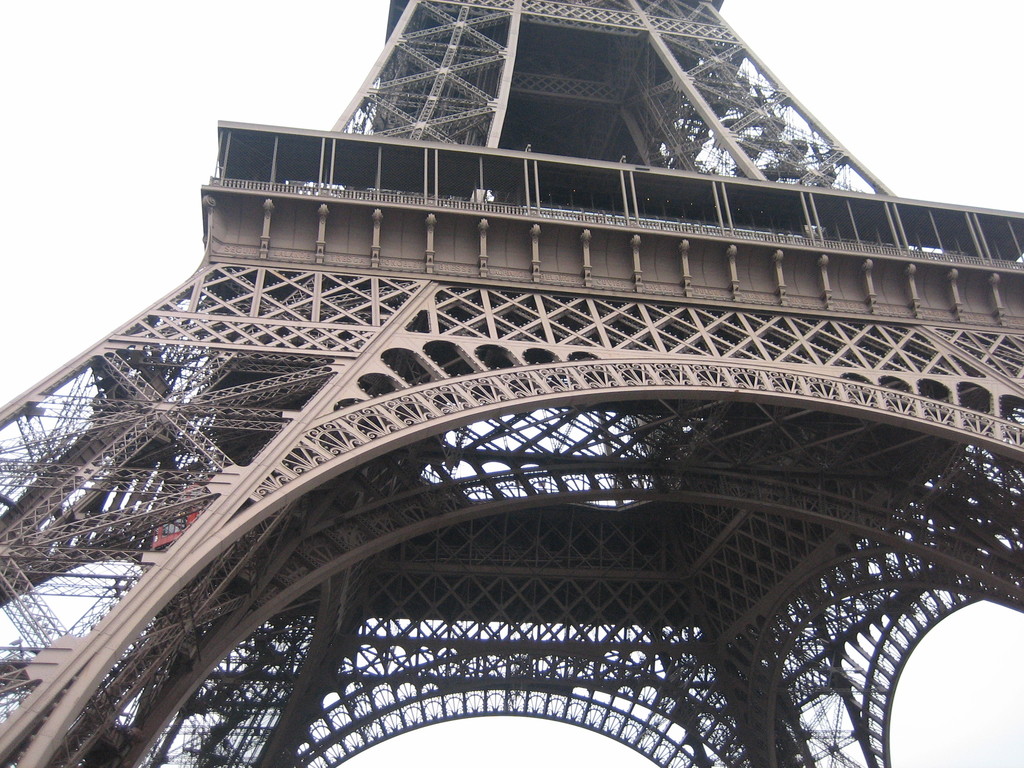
(609, 219)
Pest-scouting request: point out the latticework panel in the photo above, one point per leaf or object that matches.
(660, 83)
(109, 464)
(442, 77)
(723, 572)
(599, 322)
(275, 309)
(585, 495)
(325, 507)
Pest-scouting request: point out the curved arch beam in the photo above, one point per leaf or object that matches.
(845, 588)
(664, 747)
(323, 447)
(885, 606)
(359, 433)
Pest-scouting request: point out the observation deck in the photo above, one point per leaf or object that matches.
(409, 206)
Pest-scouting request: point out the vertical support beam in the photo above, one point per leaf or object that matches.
(429, 253)
(899, 226)
(209, 207)
(632, 191)
(535, 253)
(505, 84)
(318, 292)
(323, 151)
(954, 289)
(268, 212)
(726, 207)
(718, 205)
(853, 221)
(998, 311)
(257, 292)
(935, 230)
(625, 197)
(536, 184)
(981, 236)
(585, 237)
(780, 278)
(814, 213)
(483, 226)
(826, 285)
(734, 278)
(896, 239)
(526, 182)
(273, 162)
(222, 172)
(915, 300)
(1016, 242)
(437, 174)
(869, 285)
(685, 83)
(811, 230)
(684, 268)
(334, 160)
(378, 217)
(638, 274)
(426, 174)
(321, 232)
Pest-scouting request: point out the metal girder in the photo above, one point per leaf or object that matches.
(345, 481)
(705, 103)
(607, 460)
(685, 462)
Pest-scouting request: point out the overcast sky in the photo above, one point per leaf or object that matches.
(110, 128)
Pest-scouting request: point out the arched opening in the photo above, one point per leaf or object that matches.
(893, 382)
(1011, 408)
(572, 494)
(958, 701)
(375, 385)
(500, 742)
(538, 356)
(855, 377)
(975, 397)
(448, 358)
(494, 357)
(407, 365)
(934, 390)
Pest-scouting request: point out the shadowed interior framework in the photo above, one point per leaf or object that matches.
(579, 374)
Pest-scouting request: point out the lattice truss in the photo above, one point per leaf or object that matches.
(939, 364)
(118, 456)
(441, 80)
(710, 582)
(125, 448)
(660, 83)
(780, 136)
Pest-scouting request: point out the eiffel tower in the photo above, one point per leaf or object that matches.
(308, 512)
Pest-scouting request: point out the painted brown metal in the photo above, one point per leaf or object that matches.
(444, 427)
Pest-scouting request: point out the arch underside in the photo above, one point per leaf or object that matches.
(781, 505)
(710, 583)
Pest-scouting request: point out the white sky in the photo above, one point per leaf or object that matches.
(110, 127)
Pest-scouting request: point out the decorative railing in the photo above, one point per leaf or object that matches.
(601, 218)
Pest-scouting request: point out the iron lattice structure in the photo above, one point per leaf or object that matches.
(445, 426)
(663, 82)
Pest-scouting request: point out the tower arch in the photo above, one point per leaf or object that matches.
(358, 411)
